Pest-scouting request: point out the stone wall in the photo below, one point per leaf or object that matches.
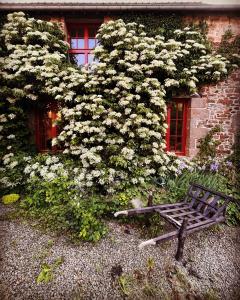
(219, 104)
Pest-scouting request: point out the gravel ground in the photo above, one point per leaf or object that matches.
(211, 269)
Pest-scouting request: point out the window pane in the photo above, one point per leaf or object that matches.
(172, 143)
(179, 144)
(81, 32)
(74, 43)
(81, 44)
(180, 110)
(173, 111)
(78, 59)
(179, 127)
(73, 32)
(91, 43)
(173, 127)
(92, 32)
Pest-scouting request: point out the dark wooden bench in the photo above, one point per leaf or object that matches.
(200, 209)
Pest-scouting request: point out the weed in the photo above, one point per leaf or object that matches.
(211, 294)
(150, 265)
(46, 273)
(124, 283)
(149, 290)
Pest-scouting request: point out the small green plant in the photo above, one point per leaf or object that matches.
(208, 145)
(149, 290)
(46, 273)
(150, 265)
(124, 283)
(11, 198)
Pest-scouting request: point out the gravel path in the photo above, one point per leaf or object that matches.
(211, 269)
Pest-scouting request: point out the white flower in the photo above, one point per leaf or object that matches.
(13, 164)
(11, 136)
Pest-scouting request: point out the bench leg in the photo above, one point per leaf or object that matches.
(161, 238)
(181, 240)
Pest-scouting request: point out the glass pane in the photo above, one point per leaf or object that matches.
(92, 32)
(73, 32)
(173, 111)
(81, 44)
(179, 127)
(74, 43)
(81, 32)
(172, 143)
(90, 58)
(173, 127)
(91, 43)
(180, 110)
(179, 144)
(78, 59)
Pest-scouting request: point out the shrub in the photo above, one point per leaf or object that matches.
(60, 205)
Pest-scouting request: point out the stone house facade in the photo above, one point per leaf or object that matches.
(217, 104)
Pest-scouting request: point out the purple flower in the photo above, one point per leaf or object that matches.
(214, 167)
(182, 166)
(229, 163)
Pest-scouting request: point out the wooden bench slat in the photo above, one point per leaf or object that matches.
(184, 214)
(172, 209)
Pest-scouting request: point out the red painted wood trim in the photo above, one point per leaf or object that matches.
(169, 109)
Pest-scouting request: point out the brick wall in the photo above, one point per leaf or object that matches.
(219, 104)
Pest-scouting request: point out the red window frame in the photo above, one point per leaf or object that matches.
(45, 126)
(85, 50)
(176, 138)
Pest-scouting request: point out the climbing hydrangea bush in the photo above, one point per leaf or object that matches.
(113, 112)
(117, 130)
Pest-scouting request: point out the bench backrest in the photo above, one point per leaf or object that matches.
(208, 202)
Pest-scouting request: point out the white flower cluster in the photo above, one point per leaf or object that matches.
(48, 170)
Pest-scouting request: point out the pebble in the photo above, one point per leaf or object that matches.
(91, 271)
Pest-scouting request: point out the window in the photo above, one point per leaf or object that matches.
(45, 127)
(82, 40)
(177, 126)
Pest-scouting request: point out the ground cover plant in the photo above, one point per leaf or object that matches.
(113, 116)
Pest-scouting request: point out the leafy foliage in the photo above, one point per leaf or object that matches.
(208, 145)
(230, 47)
(47, 270)
(61, 206)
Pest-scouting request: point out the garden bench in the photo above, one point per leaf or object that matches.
(200, 209)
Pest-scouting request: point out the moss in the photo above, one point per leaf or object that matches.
(11, 198)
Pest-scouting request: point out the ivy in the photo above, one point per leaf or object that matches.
(230, 47)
